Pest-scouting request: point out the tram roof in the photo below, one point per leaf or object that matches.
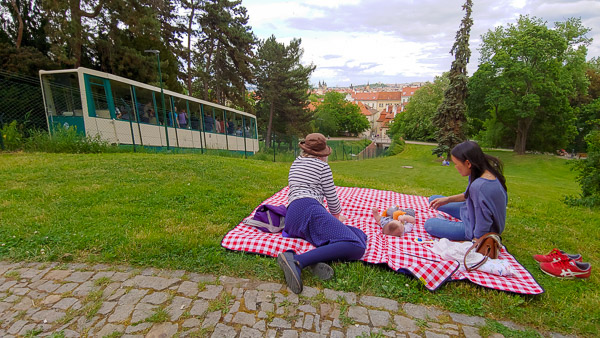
(83, 70)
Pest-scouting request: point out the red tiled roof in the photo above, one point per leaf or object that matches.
(409, 91)
(363, 109)
(389, 96)
(365, 96)
(313, 106)
(377, 96)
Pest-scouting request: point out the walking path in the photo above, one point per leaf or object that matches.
(74, 300)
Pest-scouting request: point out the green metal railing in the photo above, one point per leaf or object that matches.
(285, 149)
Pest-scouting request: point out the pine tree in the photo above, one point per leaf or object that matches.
(283, 88)
(450, 117)
(224, 51)
(125, 29)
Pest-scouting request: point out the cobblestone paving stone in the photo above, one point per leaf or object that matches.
(75, 300)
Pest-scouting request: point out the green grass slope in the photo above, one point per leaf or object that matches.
(171, 211)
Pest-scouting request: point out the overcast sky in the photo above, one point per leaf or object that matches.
(397, 41)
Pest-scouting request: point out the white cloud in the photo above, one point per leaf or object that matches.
(354, 41)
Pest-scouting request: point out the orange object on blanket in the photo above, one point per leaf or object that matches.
(397, 214)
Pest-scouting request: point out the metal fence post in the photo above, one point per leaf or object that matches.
(131, 128)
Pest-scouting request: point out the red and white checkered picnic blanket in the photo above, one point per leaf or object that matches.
(399, 253)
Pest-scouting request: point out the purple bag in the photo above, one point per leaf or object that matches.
(268, 218)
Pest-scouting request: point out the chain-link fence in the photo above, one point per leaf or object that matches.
(21, 104)
(285, 149)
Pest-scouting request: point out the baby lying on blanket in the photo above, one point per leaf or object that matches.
(395, 221)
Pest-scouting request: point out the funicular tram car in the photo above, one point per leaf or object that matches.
(128, 112)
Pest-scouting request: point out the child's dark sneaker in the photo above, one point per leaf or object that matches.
(557, 255)
(567, 268)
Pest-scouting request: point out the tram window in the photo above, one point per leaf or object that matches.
(123, 101)
(248, 132)
(236, 120)
(63, 97)
(253, 128)
(171, 114)
(144, 103)
(99, 97)
(159, 108)
(194, 115)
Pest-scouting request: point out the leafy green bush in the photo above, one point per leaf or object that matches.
(12, 136)
(589, 174)
(397, 145)
(68, 140)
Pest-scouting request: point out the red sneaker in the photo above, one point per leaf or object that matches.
(557, 255)
(567, 268)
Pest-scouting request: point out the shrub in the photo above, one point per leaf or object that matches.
(397, 145)
(67, 140)
(589, 174)
(12, 136)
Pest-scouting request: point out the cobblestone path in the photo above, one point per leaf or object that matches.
(75, 300)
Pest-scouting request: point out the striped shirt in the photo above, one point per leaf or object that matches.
(311, 177)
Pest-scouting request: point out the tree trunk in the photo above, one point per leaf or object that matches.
(76, 14)
(76, 22)
(269, 126)
(522, 132)
(207, 70)
(20, 18)
(189, 56)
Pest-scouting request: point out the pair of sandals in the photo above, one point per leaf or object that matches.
(291, 271)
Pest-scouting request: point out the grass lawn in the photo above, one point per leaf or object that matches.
(171, 211)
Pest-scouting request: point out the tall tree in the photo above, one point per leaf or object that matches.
(528, 73)
(282, 86)
(451, 117)
(224, 51)
(415, 122)
(192, 6)
(126, 29)
(336, 116)
(24, 23)
(70, 27)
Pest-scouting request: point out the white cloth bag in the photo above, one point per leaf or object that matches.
(455, 251)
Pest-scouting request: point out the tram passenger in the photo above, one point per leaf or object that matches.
(173, 122)
(219, 126)
(182, 119)
(122, 113)
(151, 116)
(123, 110)
(144, 116)
(230, 127)
(208, 123)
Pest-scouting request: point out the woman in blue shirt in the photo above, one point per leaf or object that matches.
(482, 207)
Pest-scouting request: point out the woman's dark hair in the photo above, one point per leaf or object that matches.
(480, 162)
